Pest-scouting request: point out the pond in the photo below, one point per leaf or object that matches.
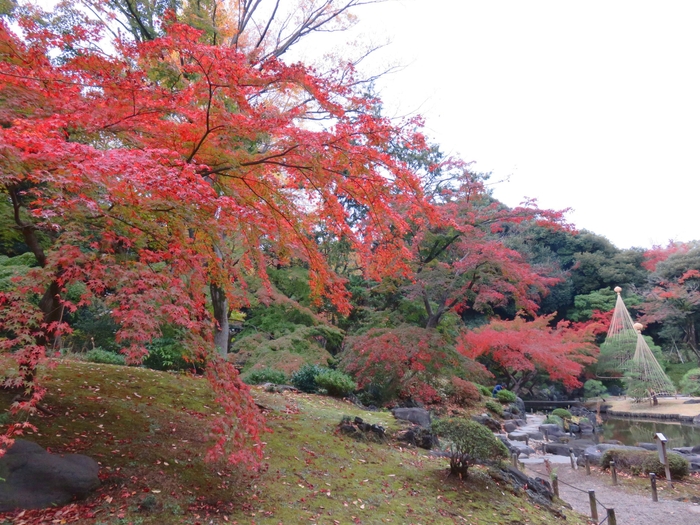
(633, 431)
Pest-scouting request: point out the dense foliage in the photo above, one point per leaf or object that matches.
(470, 443)
(644, 462)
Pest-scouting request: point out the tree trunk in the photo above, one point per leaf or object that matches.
(221, 330)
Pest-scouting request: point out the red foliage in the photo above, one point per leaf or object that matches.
(521, 348)
(173, 165)
(464, 262)
(464, 393)
(658, 254)
(401, 362)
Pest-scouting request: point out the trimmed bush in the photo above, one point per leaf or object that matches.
(690, 384)
(265, 375)
(562, 413)
(554, 420)
(483, 390)
(99, 355)
(494, 407)
(645, 461)
(305, 378)
(594, 388)
(471, 443)
(464, 393)
(506, 396)
(335, 382)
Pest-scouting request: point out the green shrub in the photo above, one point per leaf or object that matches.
(690, 384)
(562, 413)
(99, 355)
(265, 375)
(494, 407)
(483, 390)
(594, 388)
(506, 396)
(554, 420)
(166, 353)
(645, 461)
(305, 378)
(335, 383)
(471, 443)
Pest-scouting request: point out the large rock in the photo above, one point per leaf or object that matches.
(489, 422)
(510, 426)
(418, 416)
(35, 479)
(595, 452)
(551, 430)
(419, 436)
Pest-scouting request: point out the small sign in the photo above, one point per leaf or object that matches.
(661, 447)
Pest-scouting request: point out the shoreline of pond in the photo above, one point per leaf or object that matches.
(669, 409)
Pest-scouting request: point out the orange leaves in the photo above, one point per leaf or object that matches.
(527, 346)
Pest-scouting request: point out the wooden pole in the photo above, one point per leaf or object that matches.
(572, 458)
(594, 505)
(555, 484)
(612, 520)
(654, 494)
(614, 473)
(514, 460)
(588, 464)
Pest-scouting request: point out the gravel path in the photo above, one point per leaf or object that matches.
(630, 509)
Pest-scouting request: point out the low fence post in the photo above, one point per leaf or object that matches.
(612, 520)
(594, 505)
(514, 460)
(614, 473)
(573, 459)
(588, 464)
(555, 484)
(654, 494)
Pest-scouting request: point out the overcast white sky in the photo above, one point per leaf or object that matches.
(589, 105)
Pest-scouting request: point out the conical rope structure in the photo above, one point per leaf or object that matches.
(625, 352)
(646, 369)
(620, 343)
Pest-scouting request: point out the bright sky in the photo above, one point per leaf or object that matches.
(593, 106)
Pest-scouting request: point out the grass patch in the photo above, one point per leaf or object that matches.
(148, 430)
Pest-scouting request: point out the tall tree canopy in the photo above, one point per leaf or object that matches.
(171, 167)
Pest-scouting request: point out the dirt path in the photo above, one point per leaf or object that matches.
(630, 509)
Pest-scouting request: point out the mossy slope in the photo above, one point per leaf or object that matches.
(149, 431)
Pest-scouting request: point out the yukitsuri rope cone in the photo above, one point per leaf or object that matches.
(620, 343)
(625, 352)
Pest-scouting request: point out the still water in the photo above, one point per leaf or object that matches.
(633, 431)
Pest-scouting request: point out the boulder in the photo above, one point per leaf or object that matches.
(579, 446)
(648, 446)
(416, 415)
(520, 404)
(510, 426)
(595, 452)
(419, 437)
(488, 422)
(36, 479)
(696, 420)
(551, 430)
(518, 436)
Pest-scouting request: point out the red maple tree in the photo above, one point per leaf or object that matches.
(171, 167)
(520, 349)
(463, 258)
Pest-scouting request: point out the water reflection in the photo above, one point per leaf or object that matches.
(633, 431)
